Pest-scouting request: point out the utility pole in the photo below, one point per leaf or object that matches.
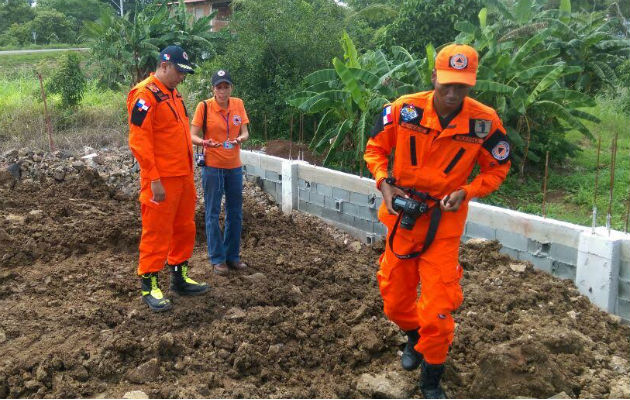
(118, 5)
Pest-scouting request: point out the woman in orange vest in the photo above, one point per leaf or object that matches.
(220, 126)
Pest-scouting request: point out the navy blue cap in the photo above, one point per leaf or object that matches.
(221, 76)
(178, 57)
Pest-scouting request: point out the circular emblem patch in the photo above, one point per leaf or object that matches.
(501, 150)
(221, 73)
(408, 112)
(185, 55)
(458, 61)
(237, 120)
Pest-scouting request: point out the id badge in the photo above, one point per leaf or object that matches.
(227, 145)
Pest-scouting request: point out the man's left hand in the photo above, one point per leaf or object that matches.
(453, 201)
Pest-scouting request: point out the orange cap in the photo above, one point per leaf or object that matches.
(457, 63)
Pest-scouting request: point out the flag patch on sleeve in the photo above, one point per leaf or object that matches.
(139, 112)
(387, 116)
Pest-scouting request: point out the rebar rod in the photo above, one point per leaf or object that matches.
(599, 146)
(544, 209)
(627, 206)
(291, 139)
(613, 162)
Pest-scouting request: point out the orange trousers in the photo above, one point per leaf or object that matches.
(168, 228)
(438, 272)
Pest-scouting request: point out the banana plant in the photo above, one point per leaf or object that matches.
(350, 94)
(528, 80)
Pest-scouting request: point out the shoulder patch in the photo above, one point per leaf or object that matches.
(388, 118)
(498, 146)
(140, 111)
(480, 127)
(382, 120)
(159, 94)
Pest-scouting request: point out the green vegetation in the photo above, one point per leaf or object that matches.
(571, 186)
(558, 73)
(125, 49)
(68, 82)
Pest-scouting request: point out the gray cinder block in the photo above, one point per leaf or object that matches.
(563, 270)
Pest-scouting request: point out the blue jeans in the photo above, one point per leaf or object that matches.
(225, 246)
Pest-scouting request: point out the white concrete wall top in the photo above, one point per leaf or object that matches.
(261, 160)
(545, 230)
(344, 180)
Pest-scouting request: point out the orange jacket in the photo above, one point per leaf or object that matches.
(435, 160)
(159, 134)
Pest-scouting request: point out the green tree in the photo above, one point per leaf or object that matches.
(15, 12)
(529, 80)
(52, 27)
(77, 11)
(275, 44)
(423, 22)
(125, 49)
(68, 81)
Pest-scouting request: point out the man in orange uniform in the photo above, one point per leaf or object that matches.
(159, 138)
(438, 137)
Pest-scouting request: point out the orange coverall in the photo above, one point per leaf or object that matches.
(437, 161)
(159, 138)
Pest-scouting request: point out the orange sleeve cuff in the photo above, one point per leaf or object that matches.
(153, 174)
(379, 178)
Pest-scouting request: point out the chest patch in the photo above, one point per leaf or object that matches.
(159, 95)
(236, 120)
(408, 113)
(480, 127)
(410, 118)
(468, 139)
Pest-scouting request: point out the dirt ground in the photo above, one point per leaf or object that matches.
(305, 321)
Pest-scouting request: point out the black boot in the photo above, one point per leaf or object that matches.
(430, 381)
(182, 284)
(151, 293)
(410, 357)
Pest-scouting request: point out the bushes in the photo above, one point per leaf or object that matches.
(68, 81)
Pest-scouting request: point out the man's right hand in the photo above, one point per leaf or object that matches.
(159, 194)
(389, 192)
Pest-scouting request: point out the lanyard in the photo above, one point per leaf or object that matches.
(227, 125)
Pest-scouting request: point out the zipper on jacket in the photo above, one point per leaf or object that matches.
(454, 161)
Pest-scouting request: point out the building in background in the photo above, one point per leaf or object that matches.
(203, 8)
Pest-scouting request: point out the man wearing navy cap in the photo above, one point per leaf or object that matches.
(159, 138)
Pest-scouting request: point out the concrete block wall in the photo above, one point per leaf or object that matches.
(597, 262)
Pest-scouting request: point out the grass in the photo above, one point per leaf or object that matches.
(100, 120)
(43, 46)
(571, 186)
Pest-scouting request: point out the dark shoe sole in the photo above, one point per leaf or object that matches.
(158, 309)
(184, 293)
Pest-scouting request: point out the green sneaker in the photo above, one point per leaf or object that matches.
(182, 284)
(151, 293)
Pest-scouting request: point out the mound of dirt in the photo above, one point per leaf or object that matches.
(305, 320)
(290, 150)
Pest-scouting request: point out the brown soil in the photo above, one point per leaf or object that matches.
(304, 321)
